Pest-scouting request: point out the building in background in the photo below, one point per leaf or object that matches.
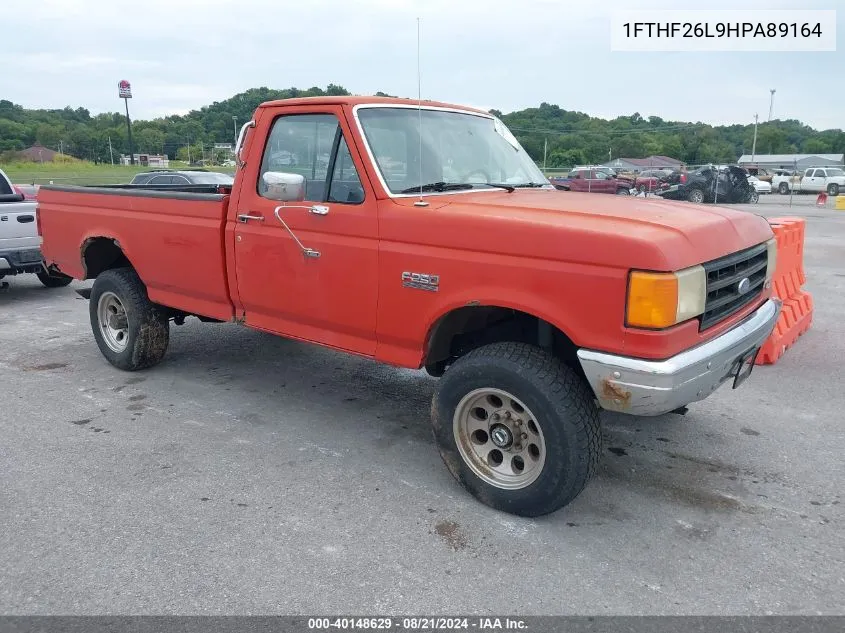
(791, 161)
(38, 154)
(147, 160)
(637, 165)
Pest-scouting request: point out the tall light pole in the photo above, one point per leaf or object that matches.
(771, 103)
(235, 128)
(754, 143)
(125, 93)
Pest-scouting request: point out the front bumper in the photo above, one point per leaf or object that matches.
(644, 387)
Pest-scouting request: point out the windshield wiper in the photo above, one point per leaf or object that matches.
(438, 186)
(456, 186)
(531, 185)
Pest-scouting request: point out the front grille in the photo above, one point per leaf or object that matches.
(724, 276)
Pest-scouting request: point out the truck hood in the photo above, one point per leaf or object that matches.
(606, 229)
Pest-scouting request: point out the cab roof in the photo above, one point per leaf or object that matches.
(351, 100)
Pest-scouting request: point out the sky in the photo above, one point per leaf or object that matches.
(182, 54)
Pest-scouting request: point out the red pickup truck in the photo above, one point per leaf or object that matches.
(423, 235)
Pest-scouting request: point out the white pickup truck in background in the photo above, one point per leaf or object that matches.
(830, 180)
(20, 245)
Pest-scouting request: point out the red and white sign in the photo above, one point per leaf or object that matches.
(124, 89)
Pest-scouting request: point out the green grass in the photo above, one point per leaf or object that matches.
(80, 172)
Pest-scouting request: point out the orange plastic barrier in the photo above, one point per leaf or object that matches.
(797, 313)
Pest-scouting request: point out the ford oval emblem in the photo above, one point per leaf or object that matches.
(743, 286)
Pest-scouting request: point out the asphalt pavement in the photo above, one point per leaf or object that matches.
(248, 474)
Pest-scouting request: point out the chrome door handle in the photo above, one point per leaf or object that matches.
(319, 209)
(245, 217)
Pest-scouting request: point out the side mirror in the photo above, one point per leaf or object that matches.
(608, 177)
(283, 187)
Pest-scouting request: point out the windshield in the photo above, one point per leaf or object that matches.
(456, 148)
(835, 172)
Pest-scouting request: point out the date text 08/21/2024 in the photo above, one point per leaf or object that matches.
(417, 623)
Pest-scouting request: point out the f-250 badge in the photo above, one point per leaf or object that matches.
(421, 281)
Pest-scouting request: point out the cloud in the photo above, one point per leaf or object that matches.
(183, 54)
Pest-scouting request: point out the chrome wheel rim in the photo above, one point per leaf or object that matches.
(499, 438)
(113, 322)
(697, 196)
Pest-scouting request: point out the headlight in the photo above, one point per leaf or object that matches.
(772, 253)
(660, 300)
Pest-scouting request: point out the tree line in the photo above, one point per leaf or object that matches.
(551, 135)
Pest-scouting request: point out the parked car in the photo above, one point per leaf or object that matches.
(535, 308)
(760, 186)
(591, 180)
(652, 179)
(182, 177)
(714, 183)
(20, 251)
(830, 180)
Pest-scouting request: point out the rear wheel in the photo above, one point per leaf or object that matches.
(695, 195)
(783, 188)
(833, 189)
(54, 280)
(517, 428)
(132, 332)
(623, 192)
(754, 197)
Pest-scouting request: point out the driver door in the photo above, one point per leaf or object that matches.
(306, 254)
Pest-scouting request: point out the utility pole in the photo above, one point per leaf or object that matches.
(235, 127)
(111, 152)
(771, 103)
(61, 153)
(754, 143)
(545, 151)
(202, 151)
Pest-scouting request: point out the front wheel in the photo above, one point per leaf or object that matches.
(833, 189)
(754, 197)
(517, 428)
(54, 280)
(132, 332)
(696, 195)
(783, 188)
(623, 192)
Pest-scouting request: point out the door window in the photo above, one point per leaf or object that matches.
(313, 146)
(819, 173)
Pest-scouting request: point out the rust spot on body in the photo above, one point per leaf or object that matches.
(612, 391)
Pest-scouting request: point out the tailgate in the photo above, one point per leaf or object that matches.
(18, 229)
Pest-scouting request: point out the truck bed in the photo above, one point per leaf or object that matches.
(172, 235)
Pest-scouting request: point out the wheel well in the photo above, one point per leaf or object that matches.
(100, 254)
(470, 327)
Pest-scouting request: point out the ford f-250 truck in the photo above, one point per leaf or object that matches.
(423, 235)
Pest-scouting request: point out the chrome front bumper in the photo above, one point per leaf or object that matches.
(644, 387)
